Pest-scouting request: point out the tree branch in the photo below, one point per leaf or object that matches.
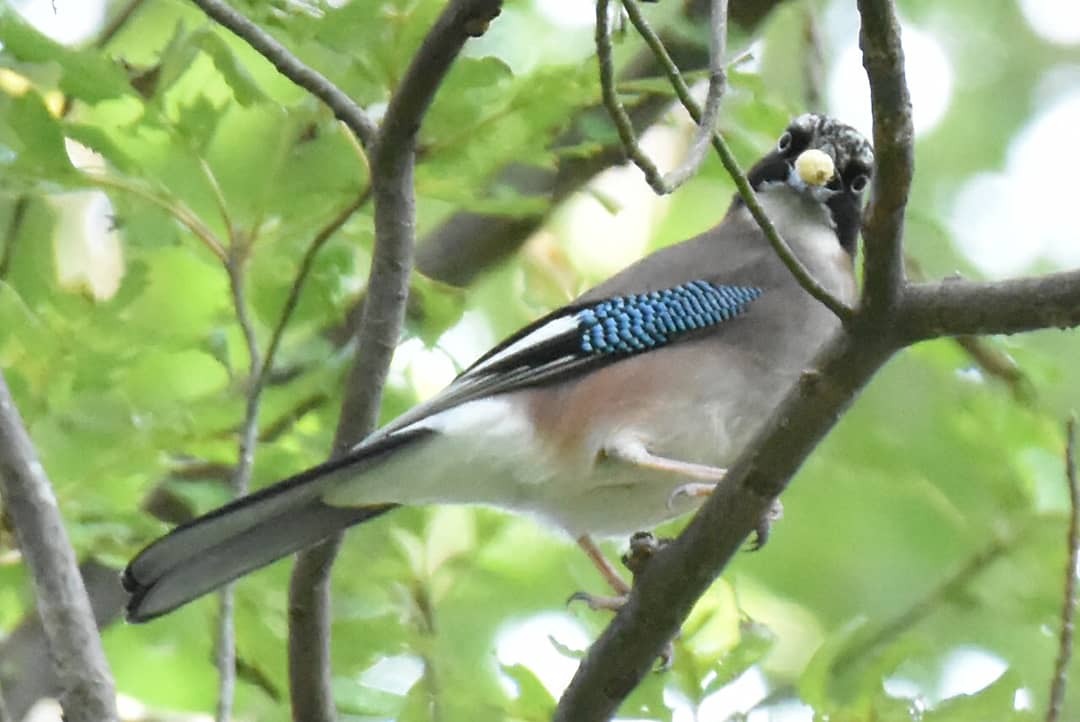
(240, 480)
(664, 184)
(380, 324)
(954, 307)
(669, 586)
(34, 677)
(62, 603)
(292, 68)
(467, 243)
(1068, 604)
(883, 225)
(731, 165)
(680, 573)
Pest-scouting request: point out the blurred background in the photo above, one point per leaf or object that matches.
(918, 569)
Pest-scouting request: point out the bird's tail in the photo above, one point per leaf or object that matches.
(251, 532)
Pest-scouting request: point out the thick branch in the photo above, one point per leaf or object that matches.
(62, 604)
(395, 212)
(883, 228)
(34, 677)
(667, 589)
(673, 581)
(292, 68)
(954, 307)
(380, 324)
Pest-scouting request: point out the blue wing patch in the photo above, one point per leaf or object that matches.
(631, 324)
(574, 339)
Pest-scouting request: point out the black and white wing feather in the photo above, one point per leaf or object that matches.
(584, 336)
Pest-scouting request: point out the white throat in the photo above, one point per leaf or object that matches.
(807, 226)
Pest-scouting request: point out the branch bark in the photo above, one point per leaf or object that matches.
(664, 183)
(673, 581)
(393, 194)
(1068, 604)
(953, 307)
(669, 586)
(292, 68)
(73, 641)
(894, 134)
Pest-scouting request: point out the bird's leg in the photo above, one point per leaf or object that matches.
(632, 451)
(643, 545)
(608, 572)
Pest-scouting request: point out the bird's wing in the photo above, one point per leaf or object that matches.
(587, 335)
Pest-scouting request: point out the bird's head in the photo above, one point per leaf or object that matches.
(825, 160)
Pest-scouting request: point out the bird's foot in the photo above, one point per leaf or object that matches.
(696, 490)
(764, 526)
(643, 546)
(599, 602)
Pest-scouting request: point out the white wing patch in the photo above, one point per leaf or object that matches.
(552, 329)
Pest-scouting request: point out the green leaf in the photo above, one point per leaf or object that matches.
(755, 642)
(87, 75)
(100, 141)
(533, 701)
(35, 136)
(996, 701)
(814, 684)
(243, 85)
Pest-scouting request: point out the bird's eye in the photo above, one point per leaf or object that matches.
(859, 183)
(784, 143)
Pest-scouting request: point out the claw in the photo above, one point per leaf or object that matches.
(643, 547)
(666, 657)
(764, 527)
(598, 603)
(694, 490)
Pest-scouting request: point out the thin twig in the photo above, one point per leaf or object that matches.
(177, 209)
(306, 263)
(467, 243)
(292, 68)
(931, 601)
(1068, 604)
(219, 199)
(663, 184)
(727, 159)
(991, 361)
(225, 654)
(241, 477)
(62, 603)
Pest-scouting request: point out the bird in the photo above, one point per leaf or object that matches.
(610, 415)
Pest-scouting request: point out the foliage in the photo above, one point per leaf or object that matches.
(132, 376)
